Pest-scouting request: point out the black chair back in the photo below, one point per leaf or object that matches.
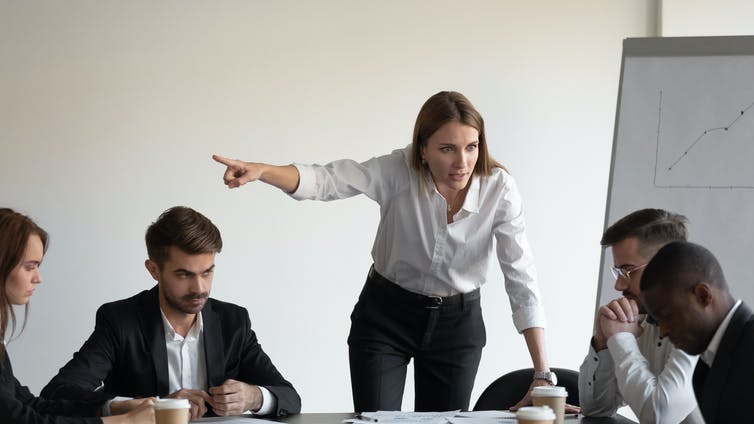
(507, 390)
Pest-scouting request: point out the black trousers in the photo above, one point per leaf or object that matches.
(390, 325)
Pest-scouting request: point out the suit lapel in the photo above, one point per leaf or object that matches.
(699, 378)
(713, 390)
(214, 348)
(154, 333)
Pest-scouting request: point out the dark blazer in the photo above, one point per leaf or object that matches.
(126, 354)
(19, 406)
(725, 390)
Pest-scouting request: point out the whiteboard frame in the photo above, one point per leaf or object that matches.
(663, 47)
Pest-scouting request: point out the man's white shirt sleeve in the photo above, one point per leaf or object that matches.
(269, 402)
(649, 375)
(598, 389)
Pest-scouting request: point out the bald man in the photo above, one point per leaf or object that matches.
(684, 289)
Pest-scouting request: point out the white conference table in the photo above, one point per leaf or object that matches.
(338, 417)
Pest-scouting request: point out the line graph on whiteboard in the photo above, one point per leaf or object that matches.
(704, 144)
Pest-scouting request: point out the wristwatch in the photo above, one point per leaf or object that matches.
(548, 376)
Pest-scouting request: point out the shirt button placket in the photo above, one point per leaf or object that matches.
(185, 365)
(437, 255)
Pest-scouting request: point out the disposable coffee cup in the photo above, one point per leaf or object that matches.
(535, 415)
(552, 396)
(171, 411)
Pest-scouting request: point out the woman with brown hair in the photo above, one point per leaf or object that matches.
(22, 246)
(443, 201)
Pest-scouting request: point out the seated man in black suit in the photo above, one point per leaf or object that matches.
(685, 291)
(174, 340)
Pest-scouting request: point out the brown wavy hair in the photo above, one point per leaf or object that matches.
(438, 110)
(15, 230)
(184, 228)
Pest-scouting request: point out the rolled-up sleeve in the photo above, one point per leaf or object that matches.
(307, 182)
(517, 261)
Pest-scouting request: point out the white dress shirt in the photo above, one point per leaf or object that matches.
(187, 368)
(647, 373)
(708, 356)
(417, 249)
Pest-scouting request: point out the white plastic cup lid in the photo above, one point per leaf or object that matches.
(171, 404)
(535, 413)
(549, 391)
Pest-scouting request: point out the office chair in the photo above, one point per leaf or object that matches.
(504, 392)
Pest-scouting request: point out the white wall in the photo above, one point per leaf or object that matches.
(681, 18)
(110, 110)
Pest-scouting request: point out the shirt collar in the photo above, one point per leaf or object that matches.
(471, 202)
(193, 334)
(708, 356)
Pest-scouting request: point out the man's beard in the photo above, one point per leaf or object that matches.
(184, 303)
(639, 304)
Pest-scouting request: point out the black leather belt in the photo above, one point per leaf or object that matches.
(432, 302)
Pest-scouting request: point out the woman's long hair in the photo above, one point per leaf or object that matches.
(438, 110)
(15, 230)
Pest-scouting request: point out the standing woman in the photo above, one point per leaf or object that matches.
(22, 246)
(443, 200)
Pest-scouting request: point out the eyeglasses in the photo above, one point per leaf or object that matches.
(620, 272)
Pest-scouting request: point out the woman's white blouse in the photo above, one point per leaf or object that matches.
(416, 248)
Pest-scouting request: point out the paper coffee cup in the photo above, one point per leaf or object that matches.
(535, 415)
(171, 411)
(552, 396)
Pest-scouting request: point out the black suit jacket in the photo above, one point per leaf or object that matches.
(725, 390)
(19, 406)
(127, 353)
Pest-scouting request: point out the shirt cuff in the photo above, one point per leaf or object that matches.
(269, 402)
(106, 407)
(307, 182)
(604, 367)
(528, 317)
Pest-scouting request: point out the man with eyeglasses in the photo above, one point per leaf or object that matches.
(628, 362)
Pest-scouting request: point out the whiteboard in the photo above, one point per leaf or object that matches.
(684, 141)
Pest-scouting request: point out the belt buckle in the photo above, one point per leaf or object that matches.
(435, 302)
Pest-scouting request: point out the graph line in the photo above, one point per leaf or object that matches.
(688, 149)
(705, 132)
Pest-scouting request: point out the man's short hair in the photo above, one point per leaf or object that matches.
(681, 265)
(653, 228)
(185, 229)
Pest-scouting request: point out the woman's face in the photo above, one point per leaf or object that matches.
(20, 283)
(451, 154)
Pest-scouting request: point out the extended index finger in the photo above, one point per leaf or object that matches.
(222, 159)
(234, 170)
(225, 161)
